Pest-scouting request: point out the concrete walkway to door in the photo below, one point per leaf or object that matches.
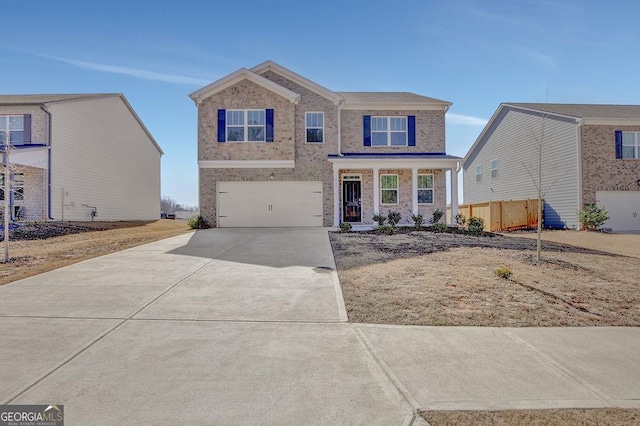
(225, 326)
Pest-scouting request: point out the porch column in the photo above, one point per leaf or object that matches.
(414, 190)
(376, 191)
(454, 196)
(336, 195)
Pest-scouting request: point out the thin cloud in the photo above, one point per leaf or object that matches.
(465, 120)
(147, 75)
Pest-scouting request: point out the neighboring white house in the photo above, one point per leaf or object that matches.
(590, 154)
(74, 154)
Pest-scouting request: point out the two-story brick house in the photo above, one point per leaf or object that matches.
(276, 149)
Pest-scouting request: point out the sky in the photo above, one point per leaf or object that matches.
(475, 54)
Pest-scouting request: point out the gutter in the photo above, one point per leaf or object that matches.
(49, 200)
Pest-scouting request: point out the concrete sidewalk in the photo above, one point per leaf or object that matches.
(248, 326)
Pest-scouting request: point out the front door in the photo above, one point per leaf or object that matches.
(352, 209)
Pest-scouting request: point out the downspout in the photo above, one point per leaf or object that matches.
(340, 105)
(48, 186)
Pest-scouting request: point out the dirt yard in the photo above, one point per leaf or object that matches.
(38, 250)
(424, 278)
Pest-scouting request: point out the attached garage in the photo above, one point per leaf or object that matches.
(260, 204)
(624, 209)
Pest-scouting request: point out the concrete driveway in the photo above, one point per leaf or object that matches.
(242, 326)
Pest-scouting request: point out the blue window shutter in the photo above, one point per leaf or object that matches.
(222, 127)
(411, 130)
(269, 126)
(366, 129)
(26, 121)
(618, 144)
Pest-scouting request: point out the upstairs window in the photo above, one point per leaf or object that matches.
(425, 189)
(494, 169)
(12, 129)
(388, 131)
(314, 125)
(246, 125)
(479, 173)
(631, 145)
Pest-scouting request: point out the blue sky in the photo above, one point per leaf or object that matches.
(475, 54)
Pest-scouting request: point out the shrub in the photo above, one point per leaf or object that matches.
(592, 217)
(437, 215)
(385, 229)
(380, 218)
(393, 218)
(503, 272)
(198, 222)
(418, 220)
(475, 225)
(345, 227)
(439, 227)
(460, 219)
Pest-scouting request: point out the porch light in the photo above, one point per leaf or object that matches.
(271, 177)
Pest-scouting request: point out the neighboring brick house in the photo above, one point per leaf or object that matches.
(74, 154)
(276, 149)
(591, 154)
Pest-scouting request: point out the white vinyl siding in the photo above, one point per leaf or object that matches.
(511, 142)
(102, 157)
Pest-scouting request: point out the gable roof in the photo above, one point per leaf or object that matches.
(391, 100)
(238, 76)
(587, 111)
(298, 79)
(44, 99)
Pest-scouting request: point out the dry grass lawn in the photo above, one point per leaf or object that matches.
(599, 416)
(33, 257)
(424, 278)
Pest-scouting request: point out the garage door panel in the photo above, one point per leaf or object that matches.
(623, 207)
(270, 204)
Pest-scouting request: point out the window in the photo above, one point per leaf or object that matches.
(494, 169)
(388, 131)
(479, 173)
(631, 145)
(314, 123)
(425, 189)
(12, 129)
(389, 189)
(246, 125)
(17, 187)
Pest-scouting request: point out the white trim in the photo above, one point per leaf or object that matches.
(635, 145)
(238, 76)
(579, 164)
(433, 189)
(396, 106)
(492, 169)
(246, 164)
(454, 196)
(397, 189)
(478, 174)
(307, 128)
(376, 191)
(245, 124)
(388, 131)
(336, 195)
(414, 191)
(612, 121)
(395, 163)
(298, 79)
(353, 177)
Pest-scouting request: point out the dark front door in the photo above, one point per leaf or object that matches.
(351, 191)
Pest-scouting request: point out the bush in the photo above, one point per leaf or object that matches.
(592, 217)
(475, 225)
(393, 218)
(503, 272)
(198, 222)
(385, 229)
(418, 220)
(345, 227)
(437, 215)
(460, 219)
(439, 227)
(380, 218)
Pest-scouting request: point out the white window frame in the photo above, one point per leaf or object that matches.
(478, 173)
(8, 130)
(306, 127)
(494, 170)
(432, 189)
(17, 183)
(388, 131)
(635, 145)
(245, 125)
(396, 189)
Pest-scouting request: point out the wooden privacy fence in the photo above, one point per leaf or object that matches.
(502, 215)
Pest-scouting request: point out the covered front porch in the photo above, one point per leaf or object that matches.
(365, 185)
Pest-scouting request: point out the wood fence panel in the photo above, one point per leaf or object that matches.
(502, 215)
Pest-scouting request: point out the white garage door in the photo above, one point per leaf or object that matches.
(269, 204)
(624, 209)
